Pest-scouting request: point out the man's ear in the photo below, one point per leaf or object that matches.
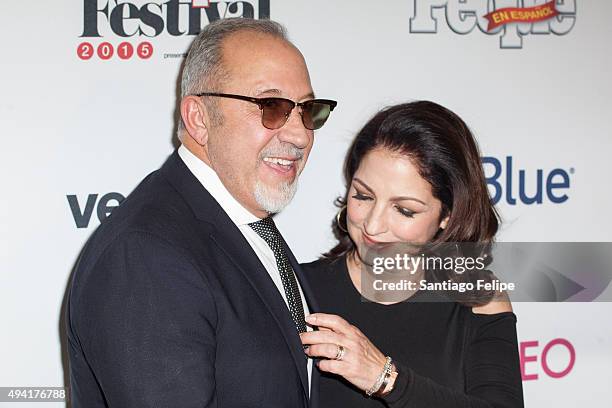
(444, 222)
(195, 118)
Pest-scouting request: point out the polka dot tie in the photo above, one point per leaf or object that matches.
(266, 229)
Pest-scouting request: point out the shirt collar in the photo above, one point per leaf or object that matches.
(213, 184)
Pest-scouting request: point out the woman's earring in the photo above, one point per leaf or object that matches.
(339, 217)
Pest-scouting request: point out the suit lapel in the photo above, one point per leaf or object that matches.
(240, 253)
(232, 243)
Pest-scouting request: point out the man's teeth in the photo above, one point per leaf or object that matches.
(276, 160)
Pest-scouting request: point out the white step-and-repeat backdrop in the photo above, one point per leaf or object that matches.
(88, 109)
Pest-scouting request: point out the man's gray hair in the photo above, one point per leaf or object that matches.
(203, 69)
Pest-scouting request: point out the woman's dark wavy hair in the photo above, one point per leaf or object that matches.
(443, 149)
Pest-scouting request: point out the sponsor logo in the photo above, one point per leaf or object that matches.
(521, 15)
(82, 208)
(138, 19)
(561, 348)
(510, 20)
(174, 17)
(526, 187)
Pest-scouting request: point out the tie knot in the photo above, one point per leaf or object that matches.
(266, 229)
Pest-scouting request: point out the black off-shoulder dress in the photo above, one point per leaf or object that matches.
(446, 355)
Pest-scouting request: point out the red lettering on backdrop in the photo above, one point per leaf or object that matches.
(543, 357)
(526, 359)
(521, 15)
(569, 367)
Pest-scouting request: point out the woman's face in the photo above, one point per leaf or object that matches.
(389, 202)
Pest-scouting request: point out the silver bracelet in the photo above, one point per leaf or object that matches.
(381, 378)
(384, 384)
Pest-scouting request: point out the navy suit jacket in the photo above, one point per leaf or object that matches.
(169, 306)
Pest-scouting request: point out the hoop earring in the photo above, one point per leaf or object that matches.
(338, 216)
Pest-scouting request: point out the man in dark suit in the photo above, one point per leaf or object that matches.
(187, 295)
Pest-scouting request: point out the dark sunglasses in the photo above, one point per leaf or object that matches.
(276, 111)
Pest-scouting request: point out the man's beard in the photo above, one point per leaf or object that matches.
(275, 199)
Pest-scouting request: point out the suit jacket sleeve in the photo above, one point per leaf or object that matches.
(147, 324)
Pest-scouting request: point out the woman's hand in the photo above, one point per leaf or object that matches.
(361, 364)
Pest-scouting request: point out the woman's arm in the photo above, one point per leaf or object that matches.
(492, 372)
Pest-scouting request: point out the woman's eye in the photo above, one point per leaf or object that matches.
(405, 212)
(359, 196)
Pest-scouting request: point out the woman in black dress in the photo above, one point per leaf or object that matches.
(413, 175)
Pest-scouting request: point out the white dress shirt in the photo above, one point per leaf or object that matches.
(241, 217)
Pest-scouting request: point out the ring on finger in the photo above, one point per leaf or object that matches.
(340, 352)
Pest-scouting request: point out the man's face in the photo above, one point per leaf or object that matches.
(259, 166)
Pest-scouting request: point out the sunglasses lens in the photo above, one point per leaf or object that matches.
(275, 112)
(315, 114)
